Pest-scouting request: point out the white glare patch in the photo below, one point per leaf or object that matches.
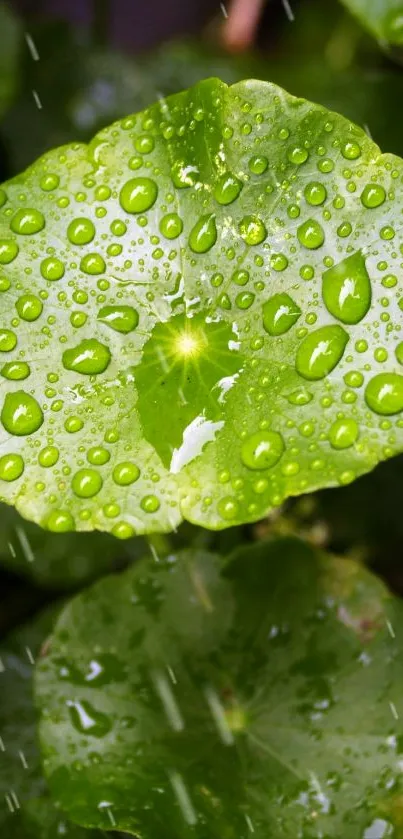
(199, 432)
(187, 344)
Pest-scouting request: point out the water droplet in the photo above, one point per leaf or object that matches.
(399, 352)
(310, 234)
(11, 467)
(227, 189)
(315, 193)
(299, 397)
(171, 226)
(252, 230)
(15, 370)
(93, 263)
(48, 456)
(21, 414)
(320, 351)
(258, 164)
(351, 150)
(29, 307)
(98, 456)
(150, 504)
(27, 221)
(90, 357)
(60, 521)
(52, 268)
(120, 318)
(297, 155)
(80, 231)
(343, 433)
(280, 313)
(346, 289)
(86, 483)
(228, 508)
(384, 393)
(8, 340)
(373, 195)
(125, 474)
(262, 450)
(8, 251)
(184, 175)
(138, 195)
(204, 234)
(86, 720)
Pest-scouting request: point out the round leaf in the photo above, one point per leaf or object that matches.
(187, 699)
(201, 314)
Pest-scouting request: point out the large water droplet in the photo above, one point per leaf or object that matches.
(346, 289)
(262, 449)
(52, 268)
(15, 370)
(171, 226)
(27, 221)
(227, 189)
(89, 357)
(80, 231)
(93, 263)
(8, 251)
(252, 230)
(21, 414)
(384, 393)
(86, 483)
(11, 467)
(87, 720)
(280, 313)
(29, 307)
(8, 340)
(320, 351)
(204, 234)
(138, 195)
(315, 193)
(310, 234)
(373, 195)
(343, 433)
(125, 474)
(120, 318)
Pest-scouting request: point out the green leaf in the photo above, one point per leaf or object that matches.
(26, 809)
(192, 698)
(9, 51)
(383, 18)
(60, 560)
(201, 314)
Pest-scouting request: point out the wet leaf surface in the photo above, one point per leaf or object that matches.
(210, 316)
(206, 699)
(26, 809)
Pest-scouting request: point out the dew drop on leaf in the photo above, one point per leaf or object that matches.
(21, 414)
(384, 393)
(320, 352)
(204, 234)
(280, 313)
(346, 289)
(262, 449)
(90, 357)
